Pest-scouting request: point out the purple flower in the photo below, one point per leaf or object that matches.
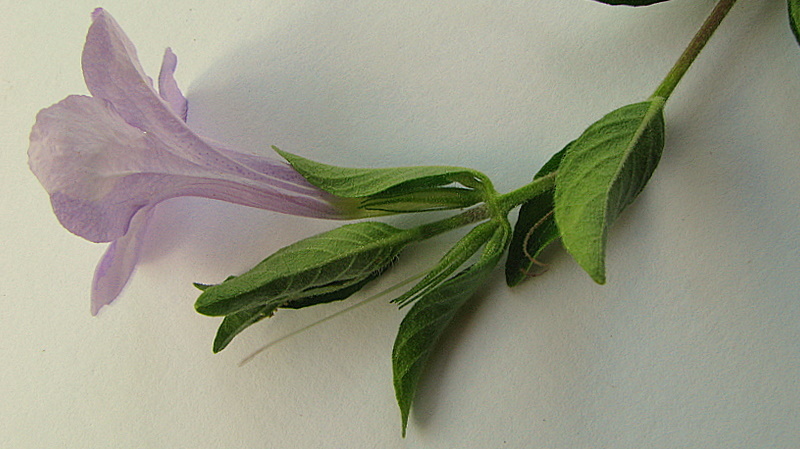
(107, 160)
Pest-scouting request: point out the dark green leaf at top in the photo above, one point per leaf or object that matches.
(403, 189)
(535, 228)
(431, 314)
(602, 172)
(631, 2)
(794, 18)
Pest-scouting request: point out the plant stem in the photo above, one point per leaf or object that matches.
(474, 215)
(500, 205)
(512, 199)
(699, 41)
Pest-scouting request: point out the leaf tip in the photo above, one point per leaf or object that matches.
(514, 275)
(206, 305)
(201, 287)
(599, 278)
(278, 150)
(596, 271)
(219, 345)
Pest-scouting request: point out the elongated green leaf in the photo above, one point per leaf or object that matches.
(362, 182)
(602, 172)
(450, 262)
(794, 18)
(631, 2)
(430, 315)
(319, 265)
(403, 189)
(535, 228)
(337, 295)
(235, 323)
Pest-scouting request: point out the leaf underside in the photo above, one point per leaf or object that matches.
(235, 323)
(535, 228)
(602, 172)
(320, 265)
(430, 315)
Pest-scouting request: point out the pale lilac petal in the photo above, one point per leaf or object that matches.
(100, 171)
(109, 159)
(113, 72)
(119, 261)
(168, 87)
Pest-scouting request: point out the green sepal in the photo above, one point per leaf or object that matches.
(602, 172)
(432, 313)
(395, 190)
(465, 248)
(323, 264)
(535, 228)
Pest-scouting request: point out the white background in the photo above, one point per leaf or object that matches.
(694, 341)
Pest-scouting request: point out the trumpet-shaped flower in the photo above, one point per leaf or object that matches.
(108, 159)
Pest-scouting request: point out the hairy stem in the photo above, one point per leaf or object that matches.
(474, 215)
(699, 41)
(527, 192)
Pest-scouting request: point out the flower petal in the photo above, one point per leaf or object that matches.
(109, 159)
(100, 171)
(79, 148)
(112, 72)
(119, 261)
(168, 87)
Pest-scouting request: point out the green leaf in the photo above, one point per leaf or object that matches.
(333, 296)
(403, 189)
(450, 262)
(602, 172)
(430, 315)
(535, 228)
(794, 18)
(327, 263)
(631, 2)
(235, 323)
